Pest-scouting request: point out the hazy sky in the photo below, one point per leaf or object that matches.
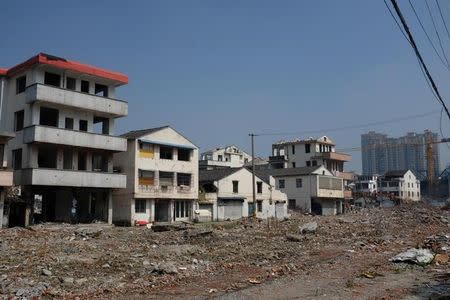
(217, 70)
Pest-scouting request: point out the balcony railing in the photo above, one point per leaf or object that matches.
(55, 95)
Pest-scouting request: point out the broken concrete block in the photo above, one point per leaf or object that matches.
(310, 227)
(416, 256)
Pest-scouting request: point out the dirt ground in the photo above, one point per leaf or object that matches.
(346, 258)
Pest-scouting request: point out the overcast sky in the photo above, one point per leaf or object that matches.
(218, 70)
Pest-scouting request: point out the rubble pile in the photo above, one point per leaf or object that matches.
(98, 260)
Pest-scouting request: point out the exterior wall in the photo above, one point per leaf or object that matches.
(407, 187)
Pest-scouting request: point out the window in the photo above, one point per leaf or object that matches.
(52, 79)
(18, 120)
(183, 179)
(82, 159)
(235, 186)
(308, 163)
(259, 187)
(101, 90)
(139, 206)
(146, 177)
(408, 184)
(182, 209)
(17, 159)
(298, 182)
(291, 203)
(259, 205)
(68, 159)
(165, 178)
(69, 123)
(184, 154)
(220, 158)
(71, 83)
(307, 148)
(48, 117)
(314, 163)
(281, 184)
(21, 84)
(83, 125)
(101, 125)
(47, 157)
(293, 149)
(409, 194)
(99, 162)
(165, 152)
(294, 165)
(84, 86)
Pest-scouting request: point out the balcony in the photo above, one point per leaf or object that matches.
(165, 192)
(59, 96)
(336, 156)
(54, 177)
(60, 136)
(278, 158)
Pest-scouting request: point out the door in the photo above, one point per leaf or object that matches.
(162, 211)
(232, 209)
(279, 210)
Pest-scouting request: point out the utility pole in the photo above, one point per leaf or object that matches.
(252, 136)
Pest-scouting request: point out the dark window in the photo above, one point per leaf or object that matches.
(183, 179)
(165, 152)
(69, 123)
(52, 79)
(294, 165)
(184, 154)
(17, 159)
(71, 83)
(101, 90)
(82, 158)
(101, 125)
(219, 157)
(259, 205)
(99, 162)
(68, 159)
(47, 157)
(48, 117)
(259, 187)
(307, 148)
(291, 204)
(314, 163)
(165, 178)
(235, 186)
(83, 125)
(84, 86)
(293, 149)
(281, 184)
(299, 182)
(18, 120)
(139, 206)
(21, 84)
(308, 163)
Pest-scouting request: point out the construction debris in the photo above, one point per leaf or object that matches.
(417, 256)
(310, 227)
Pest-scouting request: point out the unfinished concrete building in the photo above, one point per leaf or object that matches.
(62, 113)
(162, 177)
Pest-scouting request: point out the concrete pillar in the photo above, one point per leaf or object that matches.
(110, 206)
(2, 205)
(59, 159)
(89, 161)
(170, 212)
(151, 205)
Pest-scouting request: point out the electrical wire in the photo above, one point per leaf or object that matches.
(442, 17)
(427, 35)
(437, 33)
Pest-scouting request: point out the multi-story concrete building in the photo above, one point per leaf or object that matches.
(311, 189)
(62, 113)
(162, 177)
(366, 184)
(310, 153)
(224, 157)
(6, 177)
(227, 193)
(400, 184)
(381, 153)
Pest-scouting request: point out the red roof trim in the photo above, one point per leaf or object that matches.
(68, 65)
(3, 72)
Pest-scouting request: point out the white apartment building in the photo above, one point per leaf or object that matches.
(366, 184)
(401, 184)
(228, 194)
(311, 189)
(224, 157)
(162, 177)
(62, 113)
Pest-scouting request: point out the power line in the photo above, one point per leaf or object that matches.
(358, 126)
(435, 29)
(427, 35)
(419, 56)
(442, 17)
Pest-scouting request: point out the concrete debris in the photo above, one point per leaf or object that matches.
(310, 227)
(417, 256)
(97, 261)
